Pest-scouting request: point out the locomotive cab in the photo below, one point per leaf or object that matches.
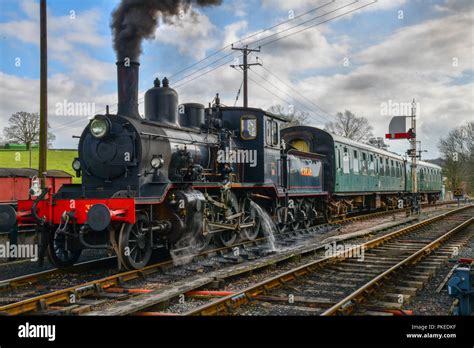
(256, 143)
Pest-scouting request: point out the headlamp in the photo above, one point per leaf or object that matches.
(99, 127)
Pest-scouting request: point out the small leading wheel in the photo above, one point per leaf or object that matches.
(250, 215)
(135, 243)
(60, 250)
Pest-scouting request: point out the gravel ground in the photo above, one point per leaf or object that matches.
(23, 267)
(430, 302)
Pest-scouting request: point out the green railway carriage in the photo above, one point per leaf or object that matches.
(428, 177)
(360, 176)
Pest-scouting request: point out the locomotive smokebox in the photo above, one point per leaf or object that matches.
(127, 81)
(161, 104)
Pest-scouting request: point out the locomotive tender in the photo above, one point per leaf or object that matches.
(186, 175)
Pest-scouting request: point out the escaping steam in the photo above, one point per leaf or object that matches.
(135, 20)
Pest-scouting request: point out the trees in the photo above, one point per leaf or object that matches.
(350, 126)
(295, 117)
(378, 142)
(457, 150)
(24, 128)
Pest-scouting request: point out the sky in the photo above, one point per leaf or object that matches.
(318, 56)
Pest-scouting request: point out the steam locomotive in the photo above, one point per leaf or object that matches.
(186, 175)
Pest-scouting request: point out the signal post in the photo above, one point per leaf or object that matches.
(397, 131)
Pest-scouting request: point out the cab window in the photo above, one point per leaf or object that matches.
(275, 133)
(271, 133)
(248, 127)
(268, 132)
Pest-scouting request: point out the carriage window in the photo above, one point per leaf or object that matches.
(392, 168)
(371, 165)
(355, 162)
(345, 162)
(248, 127)
(364, 163)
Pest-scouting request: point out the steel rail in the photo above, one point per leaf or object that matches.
(246, 295)
(346, 305)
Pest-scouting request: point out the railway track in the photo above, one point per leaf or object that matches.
(82, 297)
(394, 268)
(18, 281)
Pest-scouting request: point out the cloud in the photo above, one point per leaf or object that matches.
(413, 62)
(233, 32)
(306, 4)
(69, 39)
(64, 32)
(191, 34)
(455, 6)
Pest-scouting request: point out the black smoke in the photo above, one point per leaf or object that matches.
(135, 20)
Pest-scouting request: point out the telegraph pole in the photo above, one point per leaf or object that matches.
(246, 50)
(43, 137)
(414, 186)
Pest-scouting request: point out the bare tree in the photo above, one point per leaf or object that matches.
(350, 126)
(295, 117)
(378, 142)
(24, 128)
(457, 150)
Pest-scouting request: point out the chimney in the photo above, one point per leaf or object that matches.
(127, 83)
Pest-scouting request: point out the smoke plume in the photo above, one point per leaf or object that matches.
(135, 20)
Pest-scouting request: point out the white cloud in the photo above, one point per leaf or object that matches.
(192, 34)
(64, 32)
(68, 40)
(233, 32)
(414, 62)
(307, 4)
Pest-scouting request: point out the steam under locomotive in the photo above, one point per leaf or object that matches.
(186, 175)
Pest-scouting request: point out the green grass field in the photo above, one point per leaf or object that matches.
(57, 159)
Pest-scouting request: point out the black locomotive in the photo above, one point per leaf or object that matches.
(186, 175)
(181, 177)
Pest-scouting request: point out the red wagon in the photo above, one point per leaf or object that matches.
(15, 183)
